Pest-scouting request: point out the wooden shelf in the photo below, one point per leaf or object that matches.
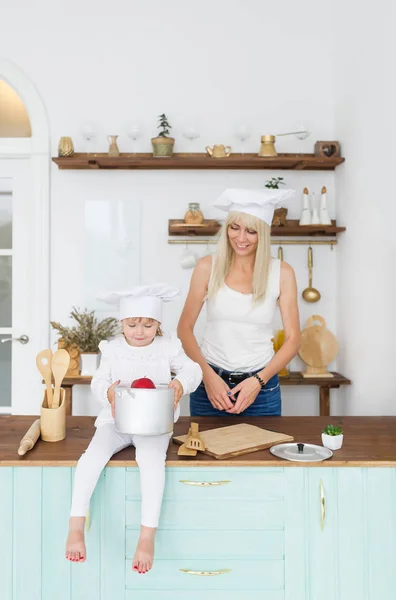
(179, 227)
(298, 162)
(292, 228)
(294, 378)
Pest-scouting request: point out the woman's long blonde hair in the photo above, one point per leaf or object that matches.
(224, 256)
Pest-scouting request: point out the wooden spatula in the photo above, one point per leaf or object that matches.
(184, 451)
(60, 364)
(43, 362)
(195, 442)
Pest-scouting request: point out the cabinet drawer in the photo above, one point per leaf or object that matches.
(185, 545)
(243, 575)
(209, 595)
(196, 514)
(215, 483)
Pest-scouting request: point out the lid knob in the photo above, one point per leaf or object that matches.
(300, 447)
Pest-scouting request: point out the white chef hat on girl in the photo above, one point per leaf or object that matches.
(260, 203)
(141, 301)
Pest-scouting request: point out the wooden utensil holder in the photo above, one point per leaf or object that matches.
(53, 420)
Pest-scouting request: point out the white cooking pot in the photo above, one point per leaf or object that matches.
(143, 411)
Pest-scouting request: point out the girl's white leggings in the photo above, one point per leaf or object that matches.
(150, 456)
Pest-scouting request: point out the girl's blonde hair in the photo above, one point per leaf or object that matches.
(224, 256)
(159, 331)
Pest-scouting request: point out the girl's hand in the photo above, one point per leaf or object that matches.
(111, 396)
(248, 391)
(178, 391)
(218, 391)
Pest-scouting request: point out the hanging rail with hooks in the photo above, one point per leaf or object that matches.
(273, 242)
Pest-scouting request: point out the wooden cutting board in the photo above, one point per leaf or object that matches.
(235, 440)
(318, 348)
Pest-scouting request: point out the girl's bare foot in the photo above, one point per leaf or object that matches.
(75, 544)
(144, 555)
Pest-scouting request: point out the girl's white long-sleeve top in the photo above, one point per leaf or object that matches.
(121, 361)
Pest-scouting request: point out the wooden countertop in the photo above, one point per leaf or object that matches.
(368, 442)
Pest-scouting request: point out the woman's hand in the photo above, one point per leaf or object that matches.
(217, 391)
(178, 391)
(111, 396)
(248, 391)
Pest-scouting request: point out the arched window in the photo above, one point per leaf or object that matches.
(14, 119)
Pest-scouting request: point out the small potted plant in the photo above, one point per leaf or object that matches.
(332, 437)
(162, 144)
(280, 214)
(274, 183)
(87, 335)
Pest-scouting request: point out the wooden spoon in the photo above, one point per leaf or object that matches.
(60, 364)
(43, 362)
(310, 294)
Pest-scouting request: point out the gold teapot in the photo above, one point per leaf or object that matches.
(218, 151)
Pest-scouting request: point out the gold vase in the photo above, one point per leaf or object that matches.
(113, 148)
(267, 146)
(65, 147)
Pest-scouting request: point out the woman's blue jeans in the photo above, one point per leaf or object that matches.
(267, 403)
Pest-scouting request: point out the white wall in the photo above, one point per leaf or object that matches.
(266, 63)
(365, 99)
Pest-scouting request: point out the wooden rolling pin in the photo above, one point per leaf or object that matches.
(30, 438)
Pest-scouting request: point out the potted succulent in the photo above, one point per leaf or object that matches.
(162, 144)
(87, 335)
(332, 437)
(280, 214)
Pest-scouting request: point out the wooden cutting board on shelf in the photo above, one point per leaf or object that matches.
(318, 348)
(235, 440)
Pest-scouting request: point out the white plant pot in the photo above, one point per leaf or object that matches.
(332, 442)
(89, 363)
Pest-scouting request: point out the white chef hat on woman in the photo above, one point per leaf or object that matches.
(260, 203)
(142, 300)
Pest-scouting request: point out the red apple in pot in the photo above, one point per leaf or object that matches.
(143, 382)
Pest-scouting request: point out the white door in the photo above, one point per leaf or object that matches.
(24, 320)
(6, 249)
(24, 248)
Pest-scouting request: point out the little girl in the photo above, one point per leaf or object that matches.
(141, 351)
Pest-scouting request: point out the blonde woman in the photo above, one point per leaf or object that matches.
(242, 286)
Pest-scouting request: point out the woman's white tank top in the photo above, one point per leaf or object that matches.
(238, 336)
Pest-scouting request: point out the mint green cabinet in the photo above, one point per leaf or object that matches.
(346, 548)
(227, 533)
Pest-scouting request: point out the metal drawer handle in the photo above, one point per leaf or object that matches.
(204, 483)
(205, 573)
(322, 506)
